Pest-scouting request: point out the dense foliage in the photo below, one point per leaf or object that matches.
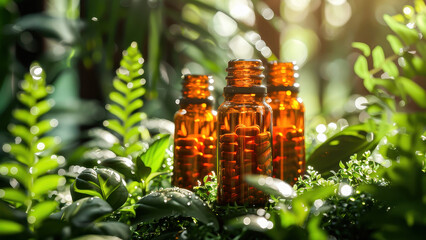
(365, 181)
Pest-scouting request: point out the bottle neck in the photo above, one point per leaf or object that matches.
(244, 98)
(197, 86)
(196, 106)
(244, 77)
(281, 74)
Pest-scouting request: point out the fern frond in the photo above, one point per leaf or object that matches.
(126, 102)
(32, 150)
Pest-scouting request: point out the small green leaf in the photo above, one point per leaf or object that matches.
(22, 132)
(153, 157)
(390, 68)
(122, 165)
(361, 67)
(416, 92)
(396, 45)
(409, 36)
(47, 183)
(17, 171)
(118, 98)
(341, 165)
(115, 125)
(421, 23)
(41, 108)
(8, 227)
(22, 154)
(363, 47)
(14, 195)
(24, 116)
(120, 86)
(134, 106)
(45, 143)
(84, 212)
(131, 134)
(42, 210)
(378, 57)
(142, 171)
(26, 99)
(43, 127)
(136, 94)
(135, 118)
(172, 202)
(44, 165)
(118, 112)
(369, 83)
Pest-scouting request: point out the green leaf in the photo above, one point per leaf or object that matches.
(41, 211)
(14, 195)
(396, 45)
(273, 186)
(378, 57)
(47, 183)
(174, 202)
(118, 112)
(44, 165)
(131, 134)
(361, 67)
(120, 86)
(421, 23)
(115, 125)
(104, 183)
(117, 229)
(369, 83)
(390, 68)
(351, 140)
(26, 99)
(416, 92)
(83, 212)
(122, 165)
(363, 47)
(136, 94)
(41, 108)
(17, 171)
(45, 143)
(341, 165)
(409, 36)
(43, 127)
(142, 171)
(135, 118)
(24, 116)
(134, 106)
(22, 154)
(8, 227)
(22, 132)
(118, 98)
(154, 156)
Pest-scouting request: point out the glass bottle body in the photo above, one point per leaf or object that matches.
(288, 139)
(195, 134)
(244, 135)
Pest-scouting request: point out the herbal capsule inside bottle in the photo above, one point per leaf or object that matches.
(244, 142)
(288, 121)
(195, 132)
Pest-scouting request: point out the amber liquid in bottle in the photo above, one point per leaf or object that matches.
(244, 125)
(195, 132)
(288, 122)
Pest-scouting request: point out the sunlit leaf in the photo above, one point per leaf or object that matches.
(361, 67)
(24, 116)
(396, 45)
(153, 157)
(44, 165)
(41, 108)
(22, 153)
(43, 126)
(421, 23)
(378, 56)
(118, 112)
(363, 47)
(416, 92)
(120, 86)
(118, 98)
(14, 195)
(22, 132)
(142, 171)
(115, 125)
(47, 183)
(134, 106)
(174, 202)
(8, 227)
(136, 94)
(42, 210)
(135, 118)
(273, 186)
(409, 36)
(45, 143)
(17, 171)
(122, 165)
(390, 68)
(131, 134)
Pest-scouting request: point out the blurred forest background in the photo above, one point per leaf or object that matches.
(79, 45)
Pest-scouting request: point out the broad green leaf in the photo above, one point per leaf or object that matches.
(115, 125)
(361, 67)
(273, 186)
(395, 44)
(47, 183)
(154, 156)
(14, 195)
(41, 211)
(117, 111)
(421, 23)
(351, 140)
(44, 165)
(136, 94)
(122, 165)
(43, 127)
(117, 229)
(104, 183)
(154, 175)
(390, 68)
(136, 147)
(363, 47)
(174, 202)
(378, 57)
(134, 106)
(8, 227)
(83, 212)
(17, 171)
(120, 86)
(142, 171)
(24, 116)
(409, 36)
(416, 92)
(118, 98)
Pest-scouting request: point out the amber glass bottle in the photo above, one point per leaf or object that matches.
(288, 120)
(244, 125)
(195, 132)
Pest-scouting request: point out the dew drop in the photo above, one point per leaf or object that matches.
(4, 170)
(34, 130)
(189, 203)
(18, 140)
(130, 85)
(31, 219)
(13, 170)
(34, 110)
(6, 148)
(40, 146)
(246, 221)
(54, 123)
(2, 193)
